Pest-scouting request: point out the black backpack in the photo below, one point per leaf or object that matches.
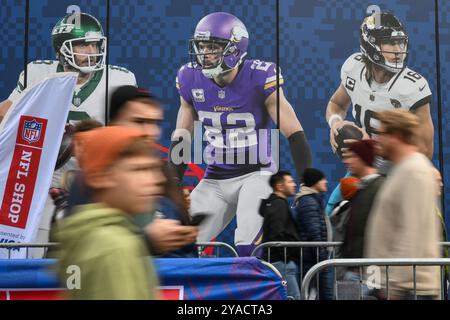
(339, 218)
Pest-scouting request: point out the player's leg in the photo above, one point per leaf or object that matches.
(255, 187)
(208, 198)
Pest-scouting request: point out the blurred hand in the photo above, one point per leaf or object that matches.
(168, 235)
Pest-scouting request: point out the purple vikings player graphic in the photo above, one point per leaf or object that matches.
(236, 101)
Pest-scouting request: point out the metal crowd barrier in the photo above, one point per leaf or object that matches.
(27, 246)
(360, 263)
(202, 245)
(46, 246)
(332, 246)
(300, 245)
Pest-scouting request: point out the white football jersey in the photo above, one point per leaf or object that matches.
(89, 99)
(406, 90)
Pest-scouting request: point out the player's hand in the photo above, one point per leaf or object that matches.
(168, 235)
(337, 124)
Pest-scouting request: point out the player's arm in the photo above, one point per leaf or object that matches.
(336, 112)
(183, 132)
(291, 128)
(426, 133)
(4, 107)
(16, 93)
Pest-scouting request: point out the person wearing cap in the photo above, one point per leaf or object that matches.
(359, 160)
(125, 178)
(312, 225)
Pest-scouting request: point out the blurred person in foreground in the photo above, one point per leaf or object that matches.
(360, 161)
(125, 179)
(403, 221)
(167, 233)
(137, 108)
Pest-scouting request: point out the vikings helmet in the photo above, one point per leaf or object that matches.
(384, 28)
(220, 35)
(76, 29)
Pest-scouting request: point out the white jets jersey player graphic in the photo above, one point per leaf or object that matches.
(89, 98)
(79, 47)
(406, 90)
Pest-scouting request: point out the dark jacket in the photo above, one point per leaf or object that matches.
(168, 210)
(309, 215)
(278, 225)
(360, 206)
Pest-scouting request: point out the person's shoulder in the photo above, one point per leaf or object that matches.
(185, 75)
(42, 68)
(260, 68)
(274, 204)
(308, 199)
(411, 83)
(186, 71)
(353, 65)
(114, 238)
(263, 73)
(415, 164)
(121, 75)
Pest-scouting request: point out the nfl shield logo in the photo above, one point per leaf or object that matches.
(76, 102)
(32, 131)
(221, 94)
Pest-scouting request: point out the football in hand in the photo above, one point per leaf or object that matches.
(344, 133)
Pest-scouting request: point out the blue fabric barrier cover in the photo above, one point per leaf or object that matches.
(201, 279)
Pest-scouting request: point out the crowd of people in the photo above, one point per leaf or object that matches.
(121, 203)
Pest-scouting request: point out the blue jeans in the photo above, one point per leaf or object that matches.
(289, 272)
(365, 290)
(326, 282)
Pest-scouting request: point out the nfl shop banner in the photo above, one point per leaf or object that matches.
(30, 135)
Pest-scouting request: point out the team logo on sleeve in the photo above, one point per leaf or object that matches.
(350, 83)
(32, 131)
(396, 104)
(199, 95)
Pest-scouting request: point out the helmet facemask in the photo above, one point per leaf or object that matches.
(94, 61)
(389, 59)
(208, 55)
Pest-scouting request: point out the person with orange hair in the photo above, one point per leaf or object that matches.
(125, 177)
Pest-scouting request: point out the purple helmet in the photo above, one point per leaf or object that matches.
(219, 44)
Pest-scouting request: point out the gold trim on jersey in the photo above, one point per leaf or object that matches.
(272, 84)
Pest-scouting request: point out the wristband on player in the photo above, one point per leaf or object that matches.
(178, 169)
(300, 151)
(332, 118)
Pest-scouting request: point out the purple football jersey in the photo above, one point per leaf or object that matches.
(236, 122)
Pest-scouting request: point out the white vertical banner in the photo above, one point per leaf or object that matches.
(30, 135)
